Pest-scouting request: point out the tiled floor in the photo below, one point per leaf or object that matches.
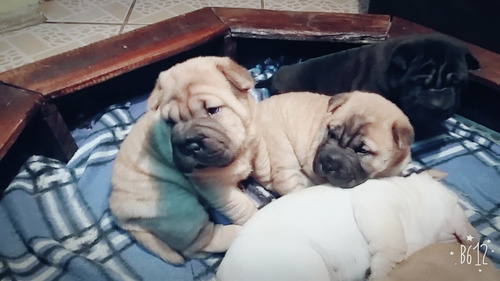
(75, 23)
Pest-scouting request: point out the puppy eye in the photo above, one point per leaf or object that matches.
(363, 150)
(169, 122)
(213, 110)
(452, 78)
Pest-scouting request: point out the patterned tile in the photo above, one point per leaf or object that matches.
(48, 39)
(88, 11)
(338, 6)
(11, 57)
(252, 4)
(151, 11)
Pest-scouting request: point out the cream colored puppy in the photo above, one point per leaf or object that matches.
(344, 140)
(328, 233)
(198, 139)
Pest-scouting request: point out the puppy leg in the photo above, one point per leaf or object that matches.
(288, 180)
(231, 201)
(286, 171)
(213, 238)
(262, 166)
(156, 246)
(384, 232)
(222, 237)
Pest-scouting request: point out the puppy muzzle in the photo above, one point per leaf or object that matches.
(201, 143)
(340, 167)
(440, 99)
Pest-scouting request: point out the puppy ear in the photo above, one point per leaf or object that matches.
(236, 74)
(337, 101)
(399, 63)
(154, 98)
(403, 134)
(402, 56)
(472, 62)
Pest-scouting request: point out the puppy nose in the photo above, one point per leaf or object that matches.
(332, 164)
(441, 99)
(192, 146)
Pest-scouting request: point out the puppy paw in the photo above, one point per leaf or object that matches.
(380, 267)
(244, 213)
(158, 247)
(222, 237)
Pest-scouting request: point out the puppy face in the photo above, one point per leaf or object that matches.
(206, 100)
(367, 137)
(430, 73)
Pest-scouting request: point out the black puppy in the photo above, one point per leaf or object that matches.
(422, 74)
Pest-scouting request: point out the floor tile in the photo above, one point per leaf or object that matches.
(337, 6)
(151, 11)
(11, 57)
(44, 40)
(88, 11)
(251, 4)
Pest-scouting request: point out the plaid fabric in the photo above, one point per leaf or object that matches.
(56, 225)
(473, 166)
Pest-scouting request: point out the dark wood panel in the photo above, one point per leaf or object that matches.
(476, 22)
(17, 107)
(62, 142)
(95, 63)
(315, 26)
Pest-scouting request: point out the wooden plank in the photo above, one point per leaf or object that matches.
(95, 63)
(314, 26)
(63, 144)
(488, 74)
(17, 107)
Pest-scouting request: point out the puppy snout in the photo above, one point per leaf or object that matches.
(441, 99)
(340, 167)
(199, 144)
(333, 163)
(192, 146)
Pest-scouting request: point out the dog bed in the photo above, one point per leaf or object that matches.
(56, 222)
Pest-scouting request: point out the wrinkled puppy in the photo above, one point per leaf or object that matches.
(446, 261)
(422, 74)
(197, 140)
(344, 139)
(327, 233)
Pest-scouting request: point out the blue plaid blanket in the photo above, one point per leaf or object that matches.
(56, 224)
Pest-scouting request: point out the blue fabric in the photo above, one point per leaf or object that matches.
(56, 223)
(473, 166)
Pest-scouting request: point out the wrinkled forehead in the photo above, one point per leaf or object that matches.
(180, 77)
(442, 56)
(370, 125)
(186, 96)
(192, 105)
